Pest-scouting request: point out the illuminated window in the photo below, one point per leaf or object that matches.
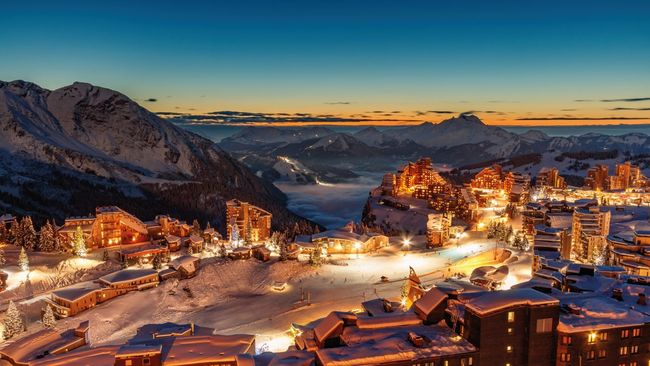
(591, 338)
(623, 351)
(591, 355)
(566, 340)
(636, 332)
(511, 316)
(634, 350)
(625, 333)
(545, 325)
(510, 330)
(509, 349)
(602, 353)
(602, 336)
(565, 357)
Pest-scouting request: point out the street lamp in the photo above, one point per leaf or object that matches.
(406, 242)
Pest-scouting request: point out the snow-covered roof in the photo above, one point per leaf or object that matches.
(288, 358)
(196, 239)
(39, 344)
(186, 261)
(104, 355)
(499, 300)
(376, 347)
(327, 326)
(127, 275)
(599, 312)
(73, 294)
(172, 239)
(394, 319)
(430, 300)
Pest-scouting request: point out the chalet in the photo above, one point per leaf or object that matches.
(173, 348)
(211, 236)
(131, 279)
(70, 302)
(345, 241)
(143, 253)
(173, 242)
(28, 350)
(196, 243)
(261, 252)
(431, 306)
(240, 253)
(185, 265)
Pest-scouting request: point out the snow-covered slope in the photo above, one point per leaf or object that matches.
(371, 136)
(99, 135)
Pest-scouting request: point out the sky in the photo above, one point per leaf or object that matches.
(349, 62)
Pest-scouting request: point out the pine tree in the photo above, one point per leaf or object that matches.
(14, 233)
(4, 234)
(28, 233)
(23, 260)
(79, 243)
(196, 228)
(49, 321)
(156, 262)
(234, 236)
(13, 321)
(3, 260)
(48, 241)
(282, 240)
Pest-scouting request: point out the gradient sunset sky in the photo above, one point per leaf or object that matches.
(390, 62)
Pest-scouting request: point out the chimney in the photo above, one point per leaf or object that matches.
(617, 294)
(641, 300)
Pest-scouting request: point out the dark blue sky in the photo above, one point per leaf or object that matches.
(515, 58)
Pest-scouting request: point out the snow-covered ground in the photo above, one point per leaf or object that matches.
(236, 296)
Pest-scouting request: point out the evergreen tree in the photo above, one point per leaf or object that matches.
(14, 233)
(48, 240)
(28, 239)
(282, 242)
(105, 256)
(156, 262)
(3, 260)
(4, 234)
(13, 321)
(23, 260)
(79, 243)
(316, 256)
(196, 228)
(49, 321)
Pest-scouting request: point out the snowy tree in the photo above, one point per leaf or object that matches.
(23, 260)
(105, 256)
(282, 242)
(2, 331)
(196, 228)
(156, 262)
(4, 233)
(3, 260)
(600, 254)
(13, 321)
(49, 321)
(28, 233)
(234, 236)
(14, 233)
(48, 239)
(316, 256)
(79, 243)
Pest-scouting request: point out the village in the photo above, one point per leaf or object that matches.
(502, 269)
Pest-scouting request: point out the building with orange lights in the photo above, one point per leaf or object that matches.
(253, 223)
(489, 178)
(550, 177)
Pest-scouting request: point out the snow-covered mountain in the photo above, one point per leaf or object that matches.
(99, 137)
(463, 129)
(266, 135)
(371, 136)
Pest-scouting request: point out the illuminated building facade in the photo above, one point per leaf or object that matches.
(589, 230)
(489, 178)
(253, 223)
(550, 177)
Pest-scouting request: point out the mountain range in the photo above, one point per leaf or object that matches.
(457, 141)
(65, 151)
